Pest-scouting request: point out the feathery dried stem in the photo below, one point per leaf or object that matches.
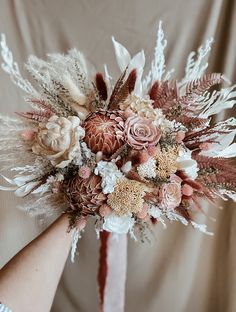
(35, 116)
(165, 96)
(122, 89)
(101, 86)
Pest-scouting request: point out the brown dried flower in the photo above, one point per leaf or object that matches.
(85, 194)
(104, 132)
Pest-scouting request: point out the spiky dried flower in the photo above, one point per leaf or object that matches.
(104, 132)
(85, 195)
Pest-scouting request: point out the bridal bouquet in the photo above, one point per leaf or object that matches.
(126, 154)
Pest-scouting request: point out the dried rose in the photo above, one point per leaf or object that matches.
(170, 195)
(141, 132)
(59, 140)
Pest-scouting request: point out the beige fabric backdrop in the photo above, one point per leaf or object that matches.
(184, 270)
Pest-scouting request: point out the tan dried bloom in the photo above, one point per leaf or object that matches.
(143, 107)
(127, 197)
(166, 161)
(140, 106)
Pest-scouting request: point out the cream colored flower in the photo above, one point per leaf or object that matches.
(148, 169)
(59, 140)
(140, 106)
(166, 161)
(118, 224)
(143, 107)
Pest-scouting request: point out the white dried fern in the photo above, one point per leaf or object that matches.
(160, 214)
(215, 102)
(196, 65)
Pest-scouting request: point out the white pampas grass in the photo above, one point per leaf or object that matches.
(13, 149)
(46, 205)
(158, 64)
(12, 68)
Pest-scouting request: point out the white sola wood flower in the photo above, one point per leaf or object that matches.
(118, 224)
(59, 140)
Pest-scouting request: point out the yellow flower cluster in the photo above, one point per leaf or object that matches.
(127, 197)
(166, 161)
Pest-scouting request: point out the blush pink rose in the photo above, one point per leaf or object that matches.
(170, 195)
(175, 178)
(141, 132)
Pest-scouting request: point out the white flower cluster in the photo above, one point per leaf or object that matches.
(161, 122)
(118, 224)
(109, 173)
(87, 152)
(148, 169)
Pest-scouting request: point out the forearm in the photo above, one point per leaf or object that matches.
(29, 280)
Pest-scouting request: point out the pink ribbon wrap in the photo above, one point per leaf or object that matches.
(112, 272)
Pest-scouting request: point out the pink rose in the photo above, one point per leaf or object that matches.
(170, 195)
(141, 132)
(175, 178)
